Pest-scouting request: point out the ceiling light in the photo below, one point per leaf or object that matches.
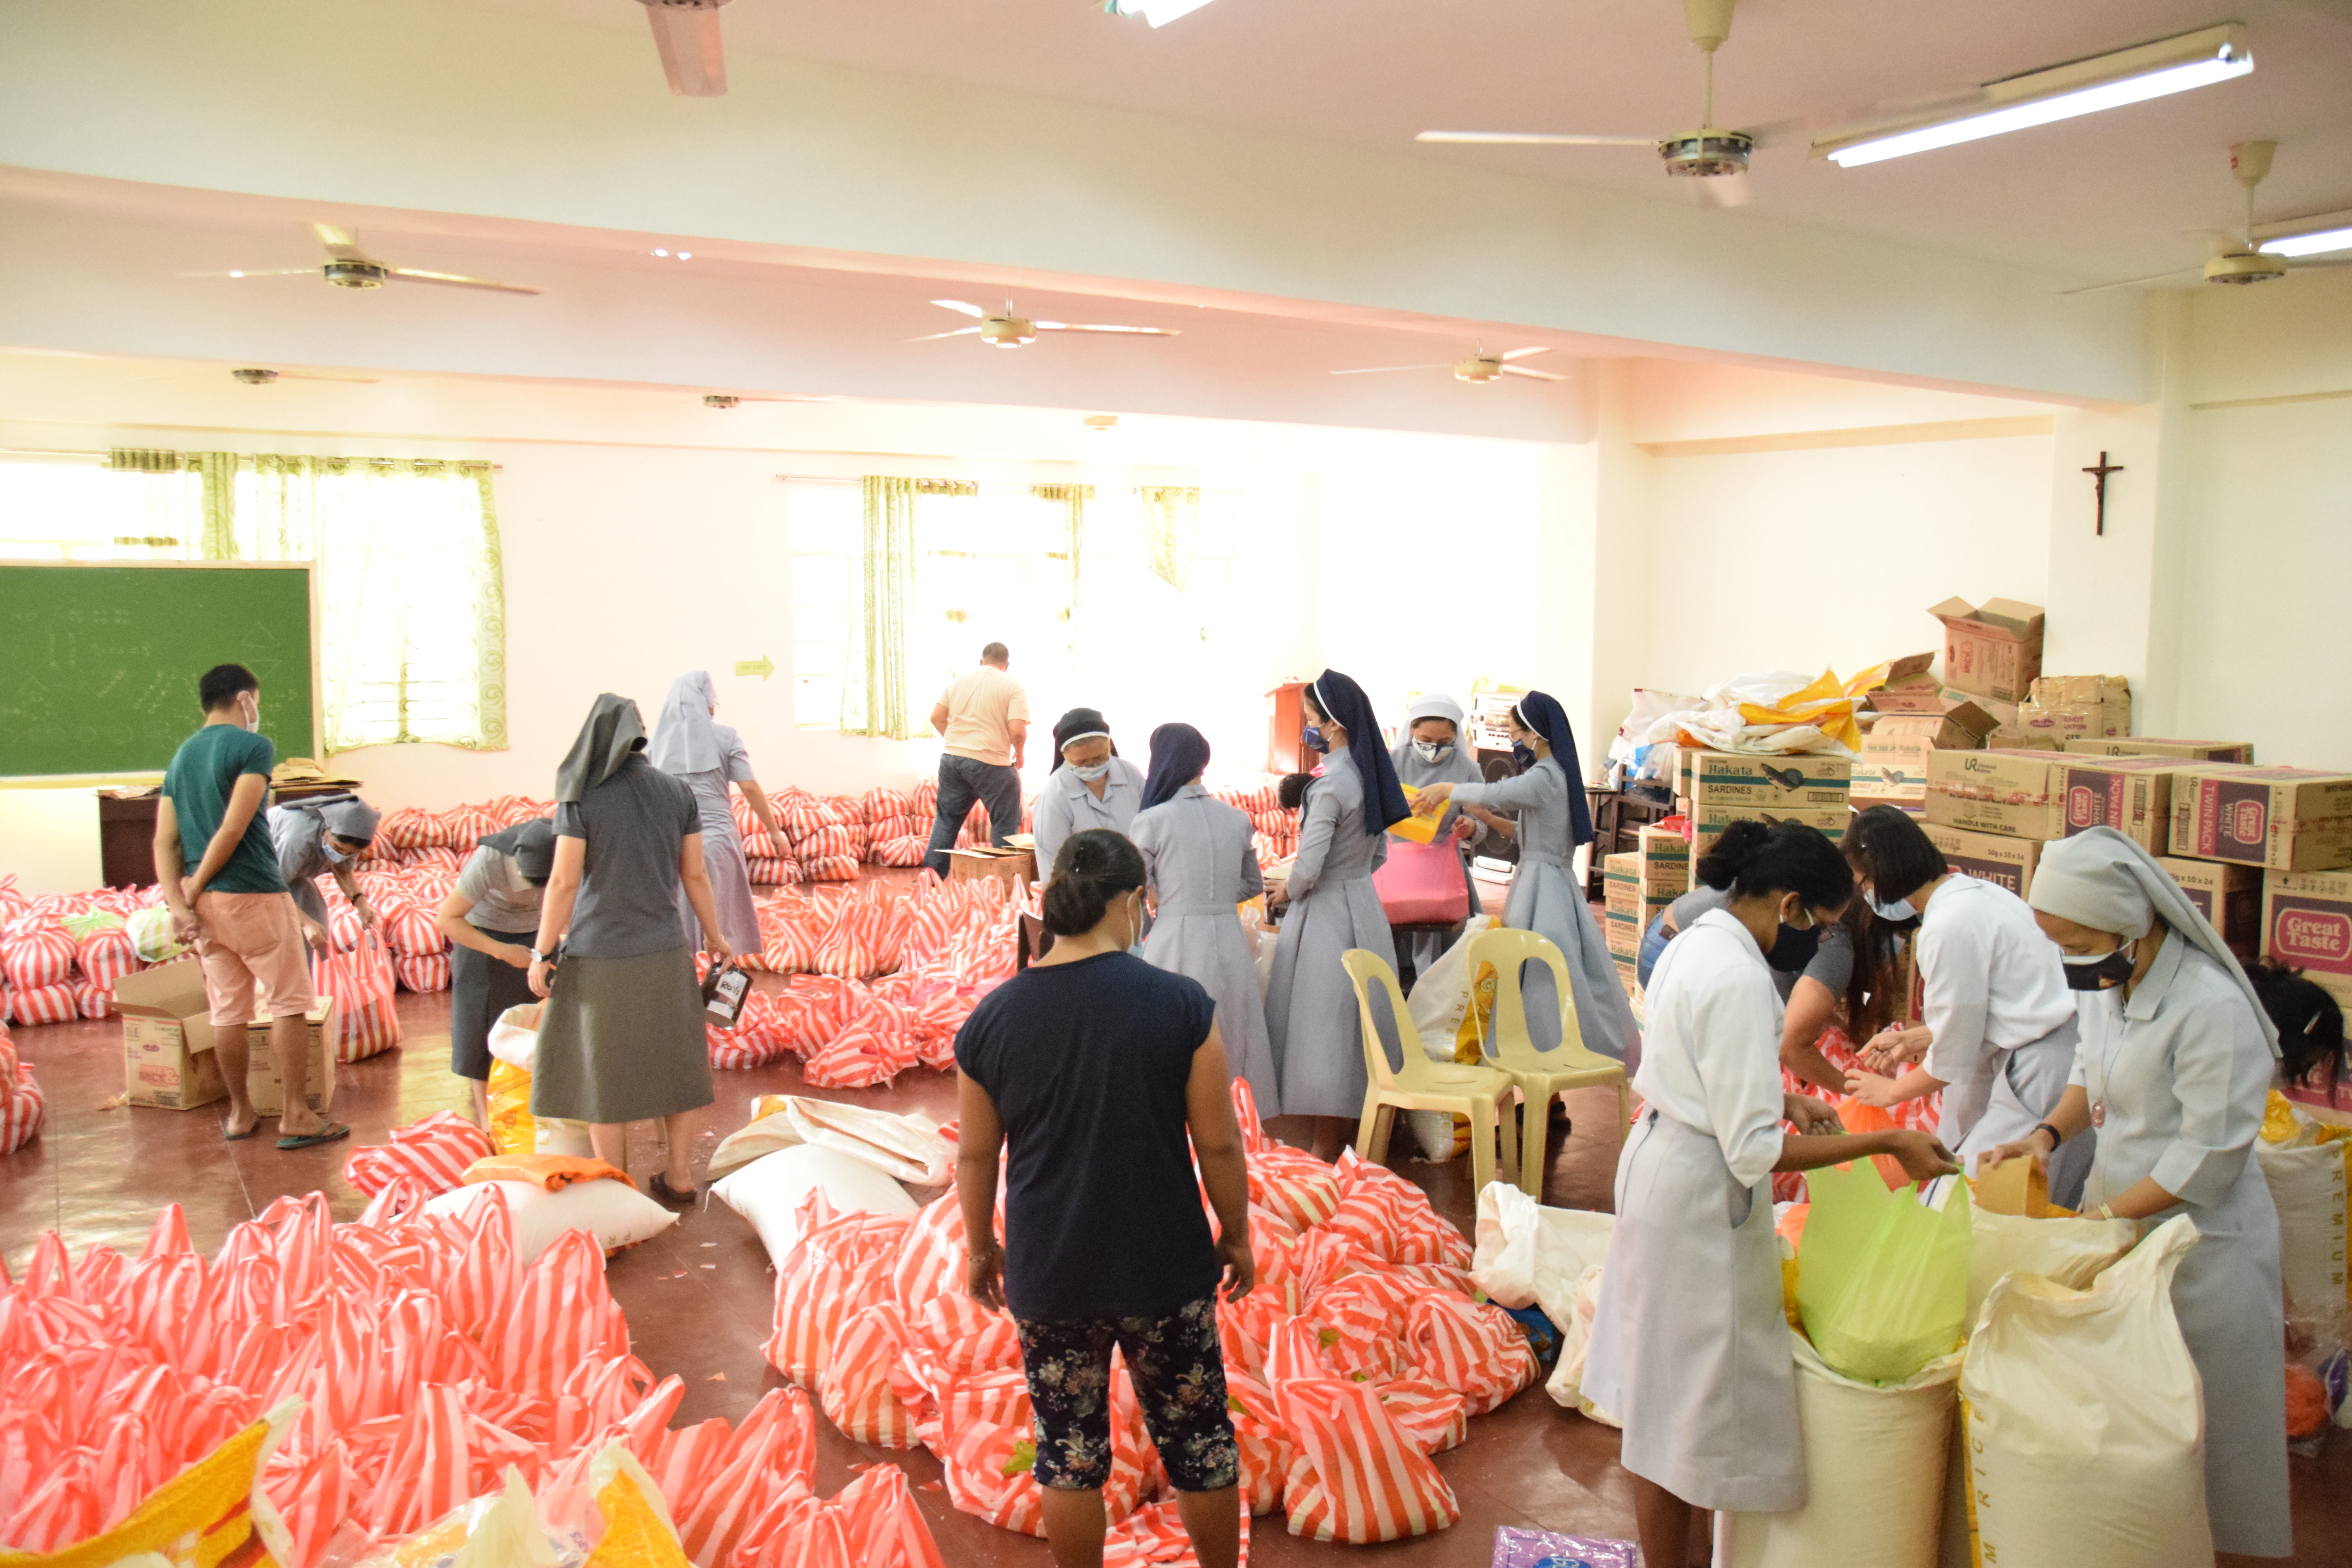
(1160, 13)
(2316, 243)
(685, 255)
(2060, 92)
(661, 252)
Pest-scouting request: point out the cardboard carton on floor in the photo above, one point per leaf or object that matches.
(2286, 819)
(261, 1063)
(2161, 746)
(2229, 897)
(1629, 976)
(1988, 856)
(1621, 877)
(2308, 925)
(1737, 781)
(1993, 649)
(167, 1038)
(1005, 865)
(1664, 864)
(1624, 934)
(2021, 794)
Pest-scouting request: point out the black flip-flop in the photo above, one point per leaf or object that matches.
(327, 1134)
(229, 1136)
(659, 1186)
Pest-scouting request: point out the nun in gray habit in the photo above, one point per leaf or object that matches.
(709, 756)
(1200, 865)
(321, 838)
(622, 1039)
(1423, 758)
(2174, 1069)
(1546, 895)
(1310, 1004)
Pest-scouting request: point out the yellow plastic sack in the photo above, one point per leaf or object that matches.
(512, 1131)
(1477, 1018)
(1882, 1280)
(1824, 704)
(198, 1519)
(2314, 1197)
(637, 1530)
(1416, 829)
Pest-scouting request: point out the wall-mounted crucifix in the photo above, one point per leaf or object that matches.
(2099, 476)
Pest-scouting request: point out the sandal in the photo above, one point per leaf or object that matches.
(229, 1136)
(327, 1134)
(659, 1186)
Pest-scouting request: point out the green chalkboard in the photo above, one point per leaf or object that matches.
(99, 663)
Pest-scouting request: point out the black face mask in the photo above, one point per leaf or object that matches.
(1793, 948)
(1525, 755)
(2103, 973)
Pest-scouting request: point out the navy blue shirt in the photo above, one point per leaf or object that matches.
(1087, 1063)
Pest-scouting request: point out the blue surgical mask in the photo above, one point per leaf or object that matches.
(334, 856)
(1899, 911)
(1088, 773)
(1523, 754)
(1311, 737)
(1136, 946)
(1432, 751)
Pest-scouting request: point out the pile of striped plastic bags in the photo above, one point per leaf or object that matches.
(429, 1360)
(1362, 1350)
(880, 976)
(60, 953)
(22, 1106)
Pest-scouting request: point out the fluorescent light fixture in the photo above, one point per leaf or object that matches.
(1160, 13)
(2318, 243)
(2060, 92)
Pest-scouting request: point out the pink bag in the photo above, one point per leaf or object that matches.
(367, 1016)
(1423, 884)
(436, 1150)
(22, 1104)
(1359, 1478)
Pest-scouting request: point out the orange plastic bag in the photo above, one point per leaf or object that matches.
(1473, 1347)
(554, 1172)
(436, 1151)
(839, 1267)
(855, 1389)
(1357, 1478)
(1861, 1117)
(1154, 1537)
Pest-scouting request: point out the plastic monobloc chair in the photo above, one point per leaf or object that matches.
(1420, 1084)
(1540, 1073)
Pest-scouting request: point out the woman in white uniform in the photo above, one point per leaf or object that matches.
(1689, 1344)
(1310, 1004)
(1198, 865)
(1091, 786)
(709, 757)
(2174, 1071)
(2000, 1025)
(1432, 753)
(1546, 896)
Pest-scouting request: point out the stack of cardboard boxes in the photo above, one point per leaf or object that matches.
(1641, 885)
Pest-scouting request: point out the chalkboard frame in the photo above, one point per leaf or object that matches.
(318, 685)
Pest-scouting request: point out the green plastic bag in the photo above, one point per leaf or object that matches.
(1882, 1280)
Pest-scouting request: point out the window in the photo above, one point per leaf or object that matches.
(825, 523)
(71, 508)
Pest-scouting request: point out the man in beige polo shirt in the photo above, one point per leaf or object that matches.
(984, 716)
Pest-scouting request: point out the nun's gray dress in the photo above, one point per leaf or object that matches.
(1199, 864)
(1311, 1004)
(1457, 769)
(1545, 899)
(1065, 806)
(722, 847)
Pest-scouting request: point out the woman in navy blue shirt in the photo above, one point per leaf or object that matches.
(1095, 1067)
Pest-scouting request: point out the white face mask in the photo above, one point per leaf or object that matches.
(1135, 924)
(1433, 751)
(1090, 773)
(251, 707)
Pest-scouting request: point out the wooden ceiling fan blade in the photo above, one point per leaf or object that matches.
(2299, 262)
(1385, 369)
(456, 280)
(933, 337)
(1521, 353)
(258, 272)
(2128, 282)
(343, 244)
(1085, 327)
(346, 380)
(1533, 138)
(974, 311)
(693, 55)
(1531, 374)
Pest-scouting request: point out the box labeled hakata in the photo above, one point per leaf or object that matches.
(1746, 783)
(2021, 794)
(1625, 935)
(1664, 859)
(167, 1038)
(2161, 746)
(2288, 819)
(1622, 878)
(261, 1063)
(1993, 649)
(1706, 827)
(1988, 856)
(2229, 897)
(2308, 925)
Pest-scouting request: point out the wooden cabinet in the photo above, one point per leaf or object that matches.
(1286, 719)
(126, 840)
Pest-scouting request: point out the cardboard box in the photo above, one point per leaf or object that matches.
(2005, 715)
(1747, 785)
(1706, 827)
(2229, 897)
(2308, 925)
(2242, 751)
(2065, 708)
(1624, 933)
(2013, 740)
(261, 1063)
(1005, 865)
(1910, 686)
(1892, 765)
(1988, 856)
(167, 1038)
(1663, 857)
(1622, 879)
(1629, 976)
(2130, 795)
(2020, 794)
(2288, 819)
(1993, 649)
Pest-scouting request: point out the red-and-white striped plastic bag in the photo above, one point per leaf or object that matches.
(856, 1390)
(45, 1004)
(1357, 1478)
(436, 1151)
(428, 973)
(840, 1266)
(36, 956)
(22, 1108)
(362, 981)
(1474, 1348)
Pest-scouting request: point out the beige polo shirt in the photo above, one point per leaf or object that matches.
(982, 709)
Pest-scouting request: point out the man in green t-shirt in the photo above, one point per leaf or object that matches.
(234, 905)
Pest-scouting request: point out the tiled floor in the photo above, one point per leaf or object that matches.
(100, 1176)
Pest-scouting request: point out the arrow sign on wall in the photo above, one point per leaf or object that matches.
(762, 666)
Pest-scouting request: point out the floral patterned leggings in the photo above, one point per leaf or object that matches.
(1179, 1372)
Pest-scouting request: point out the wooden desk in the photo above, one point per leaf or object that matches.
(126, 840)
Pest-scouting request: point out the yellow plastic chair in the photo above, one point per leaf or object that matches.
(1421, 1084)
(1539, 1073)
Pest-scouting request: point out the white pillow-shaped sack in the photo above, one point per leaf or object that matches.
(614, 1212)
(514, 1039)
(768, 1191)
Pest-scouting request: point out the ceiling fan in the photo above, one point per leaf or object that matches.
(1480, 368)
(1713, 155)
(1010, 331)
(686, 33)
(736, 400)
(346, 267)
(2238, 258)
(254, 375)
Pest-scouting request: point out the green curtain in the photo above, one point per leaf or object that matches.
(873, 673)
(1074, 500)
(489, 619)
(1172, 519)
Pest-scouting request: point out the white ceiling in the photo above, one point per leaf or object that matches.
(2107, 196)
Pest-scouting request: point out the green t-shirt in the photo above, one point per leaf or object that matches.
(202, 774)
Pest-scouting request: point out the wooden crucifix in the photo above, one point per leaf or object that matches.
(2099, 476)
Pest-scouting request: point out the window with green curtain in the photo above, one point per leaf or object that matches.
(874, 700)
(1073, 500)
(411, 591)
(1171, 521)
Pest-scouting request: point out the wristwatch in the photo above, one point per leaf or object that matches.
(538, 957)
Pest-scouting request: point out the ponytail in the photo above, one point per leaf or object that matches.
(1093, 868)
(1752, 858)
